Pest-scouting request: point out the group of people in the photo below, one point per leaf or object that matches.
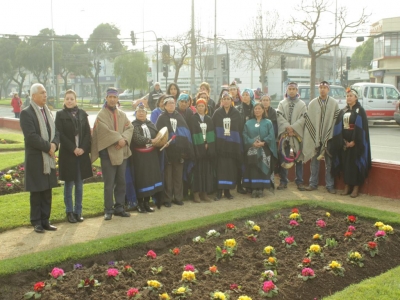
(189, 145)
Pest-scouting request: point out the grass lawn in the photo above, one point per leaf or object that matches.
(11, 159)
(15, 213)
(384, 286)
(18, 141)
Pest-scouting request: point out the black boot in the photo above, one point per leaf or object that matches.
(228, 195)
(78, 217)
(147, 205)
(240, 189)
(218, 196)
(140, 208)
(71, 218)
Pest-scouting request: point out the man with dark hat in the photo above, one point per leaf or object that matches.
(291, 112)
(319, 126)
(112, 133)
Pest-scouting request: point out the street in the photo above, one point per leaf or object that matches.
(385, 139)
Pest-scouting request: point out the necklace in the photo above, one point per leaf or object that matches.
(257, 123)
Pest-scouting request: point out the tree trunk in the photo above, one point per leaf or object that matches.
(313, 75)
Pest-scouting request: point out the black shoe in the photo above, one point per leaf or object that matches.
(228, 195)
(167, 204)
(50, 227)
(71, 217)
(281, 187)
(107, 216)
(240, 190)
(78, 217)
(140, 208)
(178, 202)
(218, 196)
(147, 207)
(38, 229)
(123, 214)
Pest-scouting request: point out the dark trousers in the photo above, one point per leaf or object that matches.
(40, 207)
(173, 182)
(114, 186)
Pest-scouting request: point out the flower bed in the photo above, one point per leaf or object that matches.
(324, 268)
(12, 180)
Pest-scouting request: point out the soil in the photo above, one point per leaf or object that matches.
(244, 268)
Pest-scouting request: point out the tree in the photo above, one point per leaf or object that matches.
(363, 55)
(203, 62)
(306, 30)
(131, 68)
(103, 43)
(180, 51)
(259, 47)
(5, 65)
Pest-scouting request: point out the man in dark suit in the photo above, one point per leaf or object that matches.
(41, 143)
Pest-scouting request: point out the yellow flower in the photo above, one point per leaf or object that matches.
(164, 296)
(355, 255)
(315, 248)
(154, 284)
(256, 228)
(268, 249)
(244, 298)
(387, 228)
(181, 290)
(7, 177)
(328, 214)
(231, 243)
(219, 295)
(335, 265)
(294, 216)
(316, 236)
(188, 275)
(271, 260)
(379, 224)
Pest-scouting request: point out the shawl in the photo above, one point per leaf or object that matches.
(319, 124)
(186, 114)
(137, 127)
(297, 121)
(245, 111)
(49, 162)
(155, 114)
(229, 146)
(198, 139)
(264, 133)
(109, 128)
(273, 118)
(181, 146)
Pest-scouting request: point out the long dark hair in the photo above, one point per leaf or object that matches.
(177, 88)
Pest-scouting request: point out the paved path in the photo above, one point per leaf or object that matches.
(24, 240)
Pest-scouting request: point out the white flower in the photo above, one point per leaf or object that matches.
(211, 232)
(251, 223)
(197, 238)
(269, 273)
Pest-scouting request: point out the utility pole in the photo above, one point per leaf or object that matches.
(193, 54)
(215, 51)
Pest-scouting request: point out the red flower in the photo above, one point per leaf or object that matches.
(372, 245)
(224, 251)
(348, 234)
(306, 261)
(151, 254)
(176, 251)
(234, 287)
(295, 211)
(230, 226)
(39, 286)
(352, 219)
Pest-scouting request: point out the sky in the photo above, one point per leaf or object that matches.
(167, 18)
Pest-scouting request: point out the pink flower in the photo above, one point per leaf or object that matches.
(268, 286)
(380, 233)
(351, 228)
(307, 272)
(234, 286)
(189, 268)
(99, 174)
(151, 254)
(56, 272)
(320, 223)
(8, 184)
(289, 240)
(293, 223)
(132, 292)
(112, 272)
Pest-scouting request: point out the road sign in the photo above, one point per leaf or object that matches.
(149, 76)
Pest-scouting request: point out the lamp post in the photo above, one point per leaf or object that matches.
(52, 52)
(215, 49)
(157, 40)
(227, 57)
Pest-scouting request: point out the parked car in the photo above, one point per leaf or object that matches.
(378, 99)
(23, 94)
(336, 91)
(126, 95)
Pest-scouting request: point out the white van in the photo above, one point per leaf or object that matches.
(378, 99)
(336, 91)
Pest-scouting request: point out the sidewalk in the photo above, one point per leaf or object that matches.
(24, 240)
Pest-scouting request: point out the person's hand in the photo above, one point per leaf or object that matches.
(206, 146)
(76, 152)
(153, 141)
(121, 143)
(350, 144)
(52, 150)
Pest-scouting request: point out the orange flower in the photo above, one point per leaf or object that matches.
(176, 251)
(213, 269)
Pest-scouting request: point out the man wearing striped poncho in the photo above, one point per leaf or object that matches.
(319, 126)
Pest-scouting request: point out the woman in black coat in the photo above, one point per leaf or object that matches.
(74, 161)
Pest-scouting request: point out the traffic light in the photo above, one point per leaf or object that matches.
(344, 78)
(285, 76)
(348, 63)
(133, 38)
(98, 65)
(283, 62)
(165, 54)
(223, 65)
(259, 78)
(165, 72)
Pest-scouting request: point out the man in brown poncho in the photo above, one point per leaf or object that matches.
(112, 133)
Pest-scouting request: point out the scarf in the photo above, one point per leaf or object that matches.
(49, 162)
(73, 112)
(229, 146)
(198, 138)
(319, 125)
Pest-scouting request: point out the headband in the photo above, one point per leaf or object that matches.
(353, 91)
(112, 91)
(324, 83)
(225, 93)
(141, 107)
(167, 99)
(292, 84)
(183, 97)
(201, 101)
